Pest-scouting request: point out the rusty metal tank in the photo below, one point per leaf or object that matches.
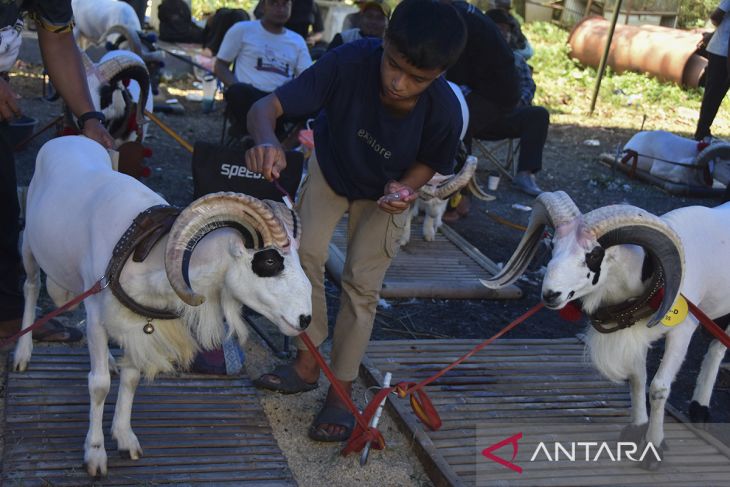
(669, 54)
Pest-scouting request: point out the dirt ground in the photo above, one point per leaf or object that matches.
(569, 165)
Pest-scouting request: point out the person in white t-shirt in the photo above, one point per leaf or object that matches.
(717, 80)
(266, 55)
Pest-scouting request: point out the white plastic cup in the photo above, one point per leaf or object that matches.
(493, 182)
(209, 87)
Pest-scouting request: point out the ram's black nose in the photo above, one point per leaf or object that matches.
(304, 321)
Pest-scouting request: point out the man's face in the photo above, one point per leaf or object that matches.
(373, 22)
(400, 80)
(277, 12)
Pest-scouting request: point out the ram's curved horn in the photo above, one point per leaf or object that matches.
(132, 37)
(453, 184)
(477, 190)
(552, 209)
(135, 43)
(625, 224)
(713, 152)
(124, 66)
(257, 223)
(290, 219)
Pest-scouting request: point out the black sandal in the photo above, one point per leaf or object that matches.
(56, 332)
(333, 415)
(288, 381)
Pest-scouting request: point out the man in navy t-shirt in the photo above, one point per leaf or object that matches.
(387, 122)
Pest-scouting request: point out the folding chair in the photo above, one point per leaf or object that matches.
(500, 152)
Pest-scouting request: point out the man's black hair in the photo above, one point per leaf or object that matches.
(430, 34)
(499, 16)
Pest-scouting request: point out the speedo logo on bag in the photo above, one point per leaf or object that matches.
(233, 170)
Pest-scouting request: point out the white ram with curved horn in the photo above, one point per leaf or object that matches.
(224, 251)
(434, 196)
(120, 88)
(612, 262)
(677, 159)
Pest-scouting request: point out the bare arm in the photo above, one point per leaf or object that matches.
(223, 72)
(267, 156)
(63, 62)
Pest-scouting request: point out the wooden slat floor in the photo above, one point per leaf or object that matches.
(537, 386)
(194, 429)
(447, 268)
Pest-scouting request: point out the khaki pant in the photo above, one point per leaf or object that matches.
(372, 237)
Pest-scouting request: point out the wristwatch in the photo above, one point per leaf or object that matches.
(89, 116)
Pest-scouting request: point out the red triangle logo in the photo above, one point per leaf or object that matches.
(487, 452)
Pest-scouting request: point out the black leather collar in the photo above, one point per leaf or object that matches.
(144, 232)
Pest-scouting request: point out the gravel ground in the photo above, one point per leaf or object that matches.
(569, 165)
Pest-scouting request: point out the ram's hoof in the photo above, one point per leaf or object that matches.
(650, 461)
(633, 433)
(699, 415)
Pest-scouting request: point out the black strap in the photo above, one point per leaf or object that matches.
(146, 229)
(89, 116)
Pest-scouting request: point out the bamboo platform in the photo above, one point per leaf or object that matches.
(538, 388)
(194, 429)
(447, 268)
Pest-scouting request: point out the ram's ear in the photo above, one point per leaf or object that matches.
(237, 248)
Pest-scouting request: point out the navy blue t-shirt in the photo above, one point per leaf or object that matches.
(360, 146)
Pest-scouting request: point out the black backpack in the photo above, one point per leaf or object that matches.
(176, 23)
(218, 25)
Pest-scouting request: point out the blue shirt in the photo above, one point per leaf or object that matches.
(360, 145)
(527, 84)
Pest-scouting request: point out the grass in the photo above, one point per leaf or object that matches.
(625, 100)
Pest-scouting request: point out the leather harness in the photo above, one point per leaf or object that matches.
(144, 232)
(624, 315)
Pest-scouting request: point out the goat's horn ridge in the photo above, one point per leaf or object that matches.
(256, 221)
(552, 209)
(137, 69)
(457, 181)
(713, 151)
(626, 224)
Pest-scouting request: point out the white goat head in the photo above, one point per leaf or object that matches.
(582, 251)
(266, 276)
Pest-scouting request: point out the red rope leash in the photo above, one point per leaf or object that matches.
(421, 404)
(97, 287)
(709, 325)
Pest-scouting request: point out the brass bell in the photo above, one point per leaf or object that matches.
(149, 328)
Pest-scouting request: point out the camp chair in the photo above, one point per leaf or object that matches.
(236, 135)
(500, 152)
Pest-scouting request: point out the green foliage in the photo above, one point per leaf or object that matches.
(201, 7)
(696, 13)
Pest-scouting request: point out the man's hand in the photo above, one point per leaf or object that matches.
(717, 16)
(397, 197)
(8, 102)
(94, 130)
(266, 159)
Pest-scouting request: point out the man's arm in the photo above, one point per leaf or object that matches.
(228, 51)
(267, 156)
(407, 188)
(65, 69)
(223, 72)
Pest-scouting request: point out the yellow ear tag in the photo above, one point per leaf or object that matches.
(677, 314)
(455, 200)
